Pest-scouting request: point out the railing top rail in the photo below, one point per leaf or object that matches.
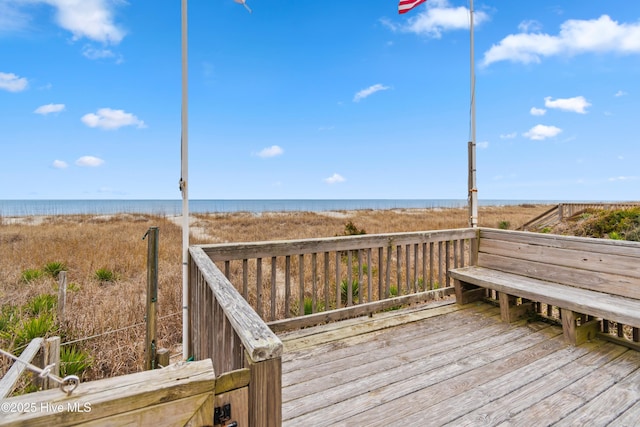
(258, 340)
(230, 251)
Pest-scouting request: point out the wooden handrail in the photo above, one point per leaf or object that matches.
(258, 340)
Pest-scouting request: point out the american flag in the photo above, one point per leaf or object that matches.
(406, 5)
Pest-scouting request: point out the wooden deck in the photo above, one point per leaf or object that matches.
(445, 364)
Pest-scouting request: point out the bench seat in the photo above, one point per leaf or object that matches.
(597, 304)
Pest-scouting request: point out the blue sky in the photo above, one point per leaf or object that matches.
(319, 100)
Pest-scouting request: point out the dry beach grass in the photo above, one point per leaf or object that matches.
(106, 318)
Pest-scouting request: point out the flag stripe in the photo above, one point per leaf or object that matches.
(406, 5)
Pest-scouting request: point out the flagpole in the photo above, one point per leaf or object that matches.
(184, 188)
(473, 191)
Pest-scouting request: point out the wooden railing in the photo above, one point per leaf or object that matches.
(285, 279)
(244, 351)
(563, 211)
(179, 395)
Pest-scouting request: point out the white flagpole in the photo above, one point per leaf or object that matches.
(473, 191)
(184, 188)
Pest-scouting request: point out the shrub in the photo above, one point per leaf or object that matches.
(9, 317)
(350, 229)
(30, 274)
(105, 275)
(41, 304)
(504, 225)
(35, 327)
(74, 361)
(54, 268)
(308, 305)
(344, 291)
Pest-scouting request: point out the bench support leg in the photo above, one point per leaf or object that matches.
(574, 334)
(466, 292)
(509, 311)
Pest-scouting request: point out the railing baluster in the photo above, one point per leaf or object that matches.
(338, 277)
(314, 281)
(287, 286)
(447, 257)
(424, 267)
(301, 282)
(326, 281)
(245, 279)
(369, 276)
(259, 286)
(274, 288)
(360, 277)
(415, 268)
(455, 254)
(388, 274)
(440, 285)
(431, 264)
(399, 268)
(380, 273)
(349, 280)
(407, 254)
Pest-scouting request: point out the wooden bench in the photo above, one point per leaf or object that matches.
(582, 276)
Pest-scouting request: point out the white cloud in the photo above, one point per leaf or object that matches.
(540, 132)
(576, 104)
(623, 178)
(12, 83)
(482, 144)
(106, 118)
(537, 111)
(438, 16)
(369, 91)
(272, 151)
(49, 108)
(60, 164)
(334, 179)
(575, 37)
(92, 53)
(11, 18)
(508, 135)
(620, 93)
(89, 161)
(92, 19)
(530, 26)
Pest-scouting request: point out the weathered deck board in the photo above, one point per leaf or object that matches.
(462, 367)
(388, 355)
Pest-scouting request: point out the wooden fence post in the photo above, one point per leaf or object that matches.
(152, 298)
(265, 392)
(51, 356)
(62, 295)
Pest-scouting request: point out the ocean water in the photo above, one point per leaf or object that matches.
(174, 207)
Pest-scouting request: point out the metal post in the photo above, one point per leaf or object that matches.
(473, 191)
(151, 344)
(184, 186)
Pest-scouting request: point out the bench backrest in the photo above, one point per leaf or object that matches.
(603, 265)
